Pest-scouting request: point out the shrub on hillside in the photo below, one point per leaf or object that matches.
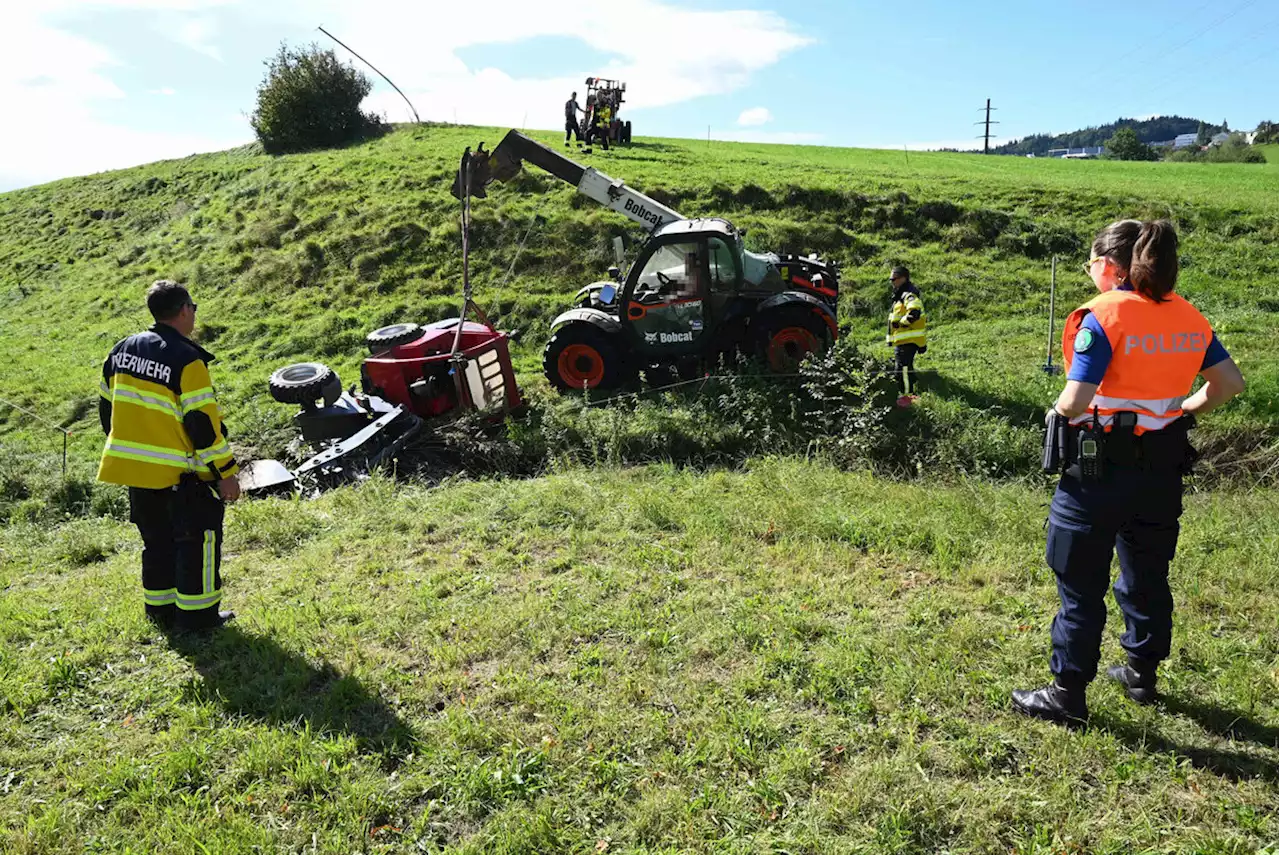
(1234, 150)
(308, 99)
(1125, 145)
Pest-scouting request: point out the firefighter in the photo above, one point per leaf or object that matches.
(906, 330)
(571, 111)
(600, 123)
(1121, 426)
(167, 444)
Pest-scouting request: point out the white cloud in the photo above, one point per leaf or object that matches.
(63, 102)
(197, 34)
(755, 116)
(666, 58)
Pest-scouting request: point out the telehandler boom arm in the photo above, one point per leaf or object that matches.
(504, 162)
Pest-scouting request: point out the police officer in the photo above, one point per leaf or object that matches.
(167, 444)
(906, 329)
(1132, 354)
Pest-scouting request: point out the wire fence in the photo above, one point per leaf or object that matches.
(66, 434)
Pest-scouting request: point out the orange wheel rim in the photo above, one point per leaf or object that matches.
(789, 346)
(579, 365)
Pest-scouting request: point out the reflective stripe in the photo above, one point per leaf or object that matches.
(211, 454)
(136, 450)
(191, 604)
(899, 336)
(1145, 422)
(103, 389)
(196, 403)
(208, 561)
(151, 402)
(188, 397)
(167, 597)
(1154, 406)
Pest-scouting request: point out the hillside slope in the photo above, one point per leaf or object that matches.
(297, 257)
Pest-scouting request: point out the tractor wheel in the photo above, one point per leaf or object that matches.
(305, 383)
(386, 338)
(626, 133)
(788, 335)
(581, 356)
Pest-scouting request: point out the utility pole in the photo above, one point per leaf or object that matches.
(986, 136)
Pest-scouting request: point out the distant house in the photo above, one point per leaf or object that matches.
(1078, 152)
(1184, 140)
(1219, 139)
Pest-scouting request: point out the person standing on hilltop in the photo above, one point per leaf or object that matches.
(167, 444)
(1119, 433)
(571, 111)
(906, 330)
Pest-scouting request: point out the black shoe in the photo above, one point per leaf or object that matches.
(162, 618)
(206, 622)
(1053, 703)
(1139, 683)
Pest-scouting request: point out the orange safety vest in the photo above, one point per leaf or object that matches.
(1157, 349)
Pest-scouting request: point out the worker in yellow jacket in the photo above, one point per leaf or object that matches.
(906, 329)
(167, 444)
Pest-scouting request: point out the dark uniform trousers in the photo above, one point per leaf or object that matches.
(1133, 512)
(181, 530)
(904, 360)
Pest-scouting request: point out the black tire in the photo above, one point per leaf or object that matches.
(578, 352)
(787, 334)
(385, 338)
(305, 383)
(626, 133)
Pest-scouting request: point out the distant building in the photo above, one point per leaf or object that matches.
(1079, 152)
(1219, 139)
(1184, 140)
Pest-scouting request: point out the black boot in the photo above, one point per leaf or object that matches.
(162, 617)
(204, 620)
(1053, 703)
(1138, 679)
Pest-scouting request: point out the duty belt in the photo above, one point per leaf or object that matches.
(1120, 447)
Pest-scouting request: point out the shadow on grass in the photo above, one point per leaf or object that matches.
(253, 676)
(1232, 724)
(1233, 765)
(1017, 412)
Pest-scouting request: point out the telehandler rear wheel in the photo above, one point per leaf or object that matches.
(787, 335)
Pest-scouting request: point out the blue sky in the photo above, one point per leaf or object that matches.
(100, 84)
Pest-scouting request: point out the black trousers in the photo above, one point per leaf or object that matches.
(181, 530)
(904, 366)
(571, 127)
(601, 133)
(1132, 513)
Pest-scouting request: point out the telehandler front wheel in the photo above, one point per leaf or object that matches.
(581, 356)
(787, 335)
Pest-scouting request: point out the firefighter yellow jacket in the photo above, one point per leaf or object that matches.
(158, 409)
(906, 318)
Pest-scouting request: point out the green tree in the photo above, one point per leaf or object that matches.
(1125, 145)
(1203, 133)
(1266, 133)
(308, 99)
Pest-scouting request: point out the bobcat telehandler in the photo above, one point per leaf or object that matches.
(692, 296)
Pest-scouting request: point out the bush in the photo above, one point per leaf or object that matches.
(308, 99)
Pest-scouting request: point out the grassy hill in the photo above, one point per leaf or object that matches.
(297, 257)
(769, 655)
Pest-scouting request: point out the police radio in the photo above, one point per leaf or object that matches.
(1089, 450)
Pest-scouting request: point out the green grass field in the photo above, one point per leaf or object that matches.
(719, 649)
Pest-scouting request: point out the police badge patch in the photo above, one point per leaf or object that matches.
(1084, 340)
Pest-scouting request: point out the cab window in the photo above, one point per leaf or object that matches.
(720, 258)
